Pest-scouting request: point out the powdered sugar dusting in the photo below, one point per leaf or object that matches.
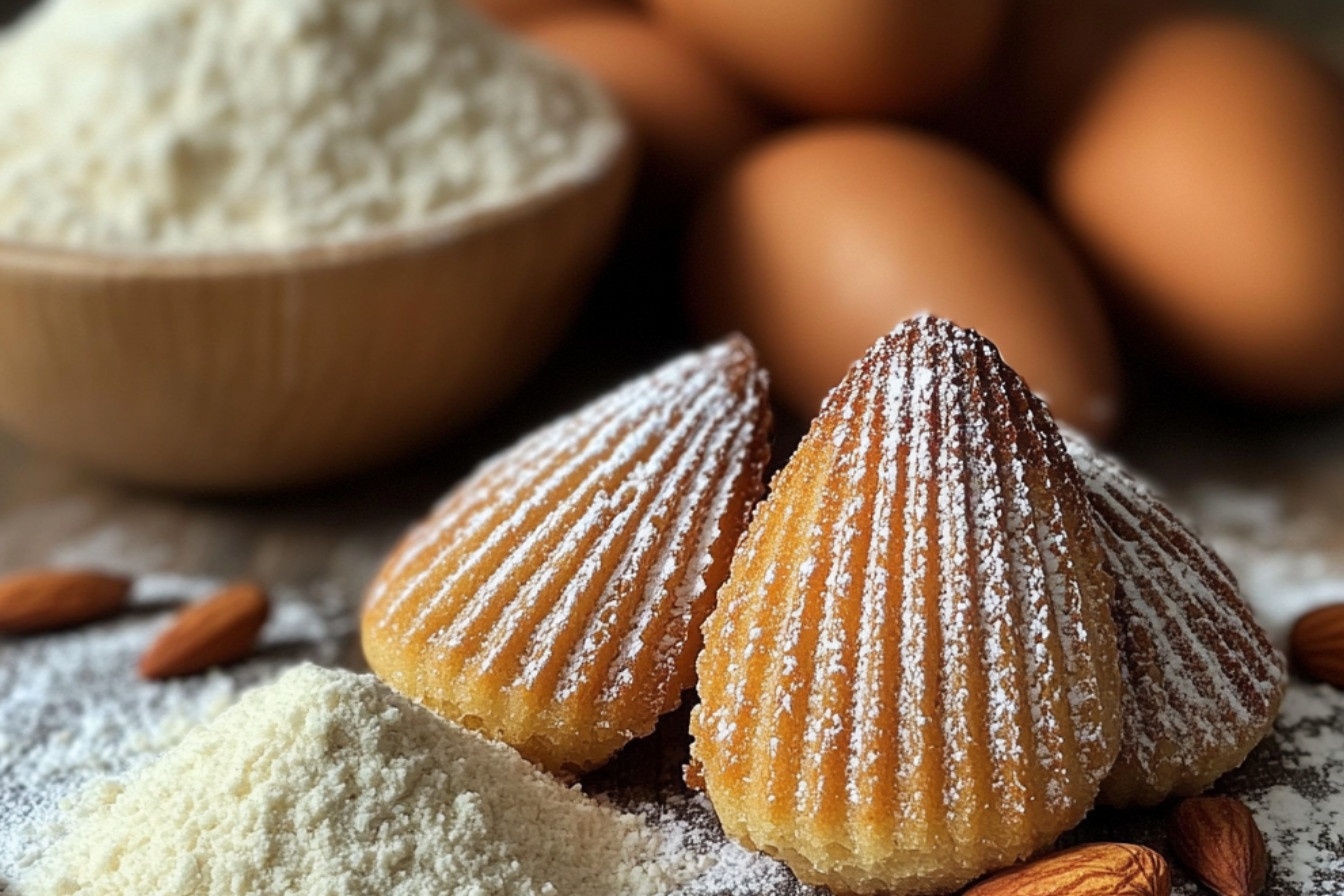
(1201, 681)
(912, 655)
(1275, 551)
(1302, 815)
(573, 570)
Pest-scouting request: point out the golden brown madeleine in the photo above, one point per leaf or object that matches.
(554, 599)
(910, 677)
(1202, 683)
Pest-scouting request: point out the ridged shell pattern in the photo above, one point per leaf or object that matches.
(910, 677)
(554, 599)
(1202, 683)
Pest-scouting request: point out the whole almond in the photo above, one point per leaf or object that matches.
(1097, 869)
(221, 629)
(48, 599)
(1317, 644)
(1216, 838)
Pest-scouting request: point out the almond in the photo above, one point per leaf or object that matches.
(1097, 869)
(221, 629)
(47, 599)
(1317, 644)
(1216, 838)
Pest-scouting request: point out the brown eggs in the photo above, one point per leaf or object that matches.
(822, 240)
(842, 57)
(689, 119)
(1206, 177)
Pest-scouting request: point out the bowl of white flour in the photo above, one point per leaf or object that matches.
(246, 244)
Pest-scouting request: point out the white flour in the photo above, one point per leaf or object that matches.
(207, 125)
(329, 783)
(73, 708)
(1303, 821)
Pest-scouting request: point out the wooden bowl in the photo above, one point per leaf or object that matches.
(254, 371)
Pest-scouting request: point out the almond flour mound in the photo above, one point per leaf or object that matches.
(208, 125)
(327, 782)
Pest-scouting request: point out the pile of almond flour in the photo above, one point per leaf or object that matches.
(79, 726)
(72, 708)
(327, 782)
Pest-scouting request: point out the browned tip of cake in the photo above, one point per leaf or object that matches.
(910, 678)
(554, 599)
(1202, 683)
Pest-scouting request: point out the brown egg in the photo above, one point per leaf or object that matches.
(1206, 177)
(843, 57)
(516, 13)
(690, 120)
(822, 240)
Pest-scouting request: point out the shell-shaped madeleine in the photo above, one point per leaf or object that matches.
(910, 677)
(554, 599)
(1201, 681)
